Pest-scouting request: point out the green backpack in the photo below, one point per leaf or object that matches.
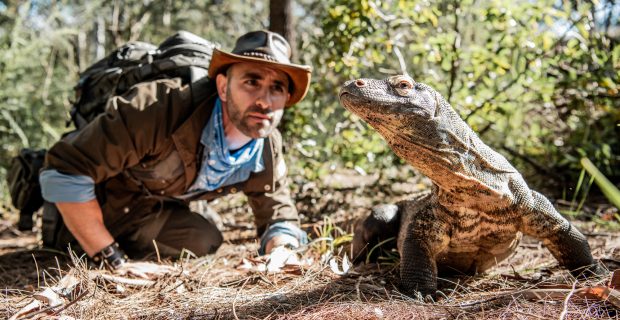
(183, 55)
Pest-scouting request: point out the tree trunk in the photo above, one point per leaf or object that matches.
(281, 20)
(100, 38)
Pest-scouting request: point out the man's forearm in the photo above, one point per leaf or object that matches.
(85, 221)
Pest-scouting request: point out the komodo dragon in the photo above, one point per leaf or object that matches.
(479, 205)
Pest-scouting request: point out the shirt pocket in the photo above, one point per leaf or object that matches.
(159, 174)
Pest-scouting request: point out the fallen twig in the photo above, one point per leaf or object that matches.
(127, 281)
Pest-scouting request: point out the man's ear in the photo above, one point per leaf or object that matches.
(221, 82)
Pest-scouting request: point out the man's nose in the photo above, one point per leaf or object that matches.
(264, 99)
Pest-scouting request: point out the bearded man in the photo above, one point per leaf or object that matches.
(125, 181)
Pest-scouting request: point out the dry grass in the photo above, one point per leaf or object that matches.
(214, 288)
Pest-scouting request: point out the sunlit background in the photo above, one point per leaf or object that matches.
(538, 80)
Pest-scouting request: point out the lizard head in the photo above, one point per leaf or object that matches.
(392, 104)
(407, 114)
(422, 128)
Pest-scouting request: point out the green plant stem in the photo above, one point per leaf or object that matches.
(609, 190)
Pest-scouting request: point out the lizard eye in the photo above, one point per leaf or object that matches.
(402, 84)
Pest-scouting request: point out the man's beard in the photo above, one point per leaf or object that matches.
(246, 125)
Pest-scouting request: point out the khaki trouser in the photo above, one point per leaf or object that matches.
(171, 226)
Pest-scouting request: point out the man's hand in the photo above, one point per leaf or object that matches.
(282, 240)
(282, 234)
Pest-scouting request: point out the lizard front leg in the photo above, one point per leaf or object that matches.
(422, 238)
(382, 223)
(569, 246)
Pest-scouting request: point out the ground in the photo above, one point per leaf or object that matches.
(228, 285)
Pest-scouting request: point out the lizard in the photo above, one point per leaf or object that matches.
(479, 205)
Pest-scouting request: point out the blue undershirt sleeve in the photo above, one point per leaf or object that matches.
(59, 187)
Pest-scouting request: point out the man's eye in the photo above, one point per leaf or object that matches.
(252, 82)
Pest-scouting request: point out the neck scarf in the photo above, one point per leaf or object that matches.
(220, 167)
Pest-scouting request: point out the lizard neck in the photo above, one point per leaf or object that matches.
(457, 162)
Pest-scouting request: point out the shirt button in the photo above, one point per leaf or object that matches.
(126, 210)
(233, 190)
(267, 187)
(211, 162)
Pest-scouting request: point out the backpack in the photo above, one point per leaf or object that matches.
(183, 55)
(23, 181)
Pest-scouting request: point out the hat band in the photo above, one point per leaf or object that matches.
(260, 55)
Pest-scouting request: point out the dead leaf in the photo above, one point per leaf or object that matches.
(346, 266)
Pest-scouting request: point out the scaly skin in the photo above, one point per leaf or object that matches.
(479, 204)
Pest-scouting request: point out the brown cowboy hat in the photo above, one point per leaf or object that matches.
(265, 47)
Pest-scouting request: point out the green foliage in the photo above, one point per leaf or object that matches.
(538, 80)
(44, 45)
(330, 237)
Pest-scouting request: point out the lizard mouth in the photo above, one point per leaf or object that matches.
(346, 99)
(343, 92)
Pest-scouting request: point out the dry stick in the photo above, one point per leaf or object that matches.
(127, 281)
(58, 266)
(156, 251)
(44, 310)
(37, 267)
(174, 287)
(387, 294)
(30, 315)
(82, 295)
(235, 300)
(357, 288)
(566, 301)
(401, 60)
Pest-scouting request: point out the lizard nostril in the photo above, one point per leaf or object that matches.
(360, 83)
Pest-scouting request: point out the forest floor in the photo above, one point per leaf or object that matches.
(233, 283)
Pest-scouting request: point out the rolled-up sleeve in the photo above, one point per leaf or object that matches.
(59, 187)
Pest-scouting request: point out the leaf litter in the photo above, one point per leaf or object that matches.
(315, 282)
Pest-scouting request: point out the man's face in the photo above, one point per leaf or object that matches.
(254, 96)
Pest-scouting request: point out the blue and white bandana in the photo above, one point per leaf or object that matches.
(219, 166)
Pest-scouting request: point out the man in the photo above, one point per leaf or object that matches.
(124, 182)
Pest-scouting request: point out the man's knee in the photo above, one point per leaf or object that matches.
(191, 232)
(203, 242)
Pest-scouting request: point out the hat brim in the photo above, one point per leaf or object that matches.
(299, 74)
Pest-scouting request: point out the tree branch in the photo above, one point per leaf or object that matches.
(455, 47)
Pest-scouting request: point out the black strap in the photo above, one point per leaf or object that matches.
(112, 256)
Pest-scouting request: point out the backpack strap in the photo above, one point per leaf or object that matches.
(202, 88)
